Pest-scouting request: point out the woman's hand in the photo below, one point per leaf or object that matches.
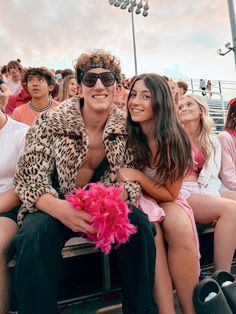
(128, 174)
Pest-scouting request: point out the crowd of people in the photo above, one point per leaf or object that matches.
(64, 129)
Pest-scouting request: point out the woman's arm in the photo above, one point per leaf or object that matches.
(8, 200)
(166, 193)
(228, 165)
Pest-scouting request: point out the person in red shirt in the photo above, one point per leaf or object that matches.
(17, 100)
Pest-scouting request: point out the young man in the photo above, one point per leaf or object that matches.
(14, 69)
(73, 140)
(39, 82)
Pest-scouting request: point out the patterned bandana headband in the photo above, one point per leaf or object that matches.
(91, 65)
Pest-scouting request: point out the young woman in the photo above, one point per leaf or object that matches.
(163, 153)
(68, 88)
(174, 88)
(12, 134)
(201, 186)
(227, 139)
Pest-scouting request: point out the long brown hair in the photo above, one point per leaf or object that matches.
(231, 117)
(173, 147)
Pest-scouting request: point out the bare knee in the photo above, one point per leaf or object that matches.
(229, 213)
(180, 233)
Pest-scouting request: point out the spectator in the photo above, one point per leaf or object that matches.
(39, 82)
(201, 186)
(5, 73)
(227, 139)
(68, 88)
(17, 100)
(154, 135)
(202, 87)
(121, 94)
(174, 90)
(12, 136)
(209, 87)
(14, 82)
(183, 87)
(4, 94)
(66, 72)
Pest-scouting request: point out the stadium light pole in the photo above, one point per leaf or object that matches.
(232, 26)
(133, 7)
(229, 46)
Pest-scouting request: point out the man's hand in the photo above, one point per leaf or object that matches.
(128, 174)
(76, 220)
(124, 195)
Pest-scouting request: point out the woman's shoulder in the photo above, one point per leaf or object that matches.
(224, 135)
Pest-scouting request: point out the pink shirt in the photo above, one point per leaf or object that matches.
(199, 160)
(26, 114)
(233, 135)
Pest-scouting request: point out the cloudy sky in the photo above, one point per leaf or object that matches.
(177, 38)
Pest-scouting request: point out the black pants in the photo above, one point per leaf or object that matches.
(38, 263)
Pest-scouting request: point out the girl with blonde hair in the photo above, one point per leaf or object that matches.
(201, 185)
(68, 88)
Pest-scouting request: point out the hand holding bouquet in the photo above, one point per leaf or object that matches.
(109, 214)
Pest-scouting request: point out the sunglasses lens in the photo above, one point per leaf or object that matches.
(89, 79)
(107, 78)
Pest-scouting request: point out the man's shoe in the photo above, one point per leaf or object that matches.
(227, 283)
(208, 298)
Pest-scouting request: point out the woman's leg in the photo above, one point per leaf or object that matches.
(210, 208)
(8, 228)
(163, 289)
(230, 195)
(182, 253)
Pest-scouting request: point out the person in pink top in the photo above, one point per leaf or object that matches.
(227, 139)
(201, 187)
(163, 153)
(39, 83)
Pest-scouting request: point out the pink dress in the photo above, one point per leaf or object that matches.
(156, 214)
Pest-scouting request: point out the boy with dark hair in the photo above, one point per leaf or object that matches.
(39, 82)
(66, 72)
(82, 137)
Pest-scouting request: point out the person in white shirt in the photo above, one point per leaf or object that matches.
(12, 135)
(14, 82)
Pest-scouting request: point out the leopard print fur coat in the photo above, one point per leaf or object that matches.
(58, 141)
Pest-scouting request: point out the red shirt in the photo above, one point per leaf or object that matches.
(17, 100)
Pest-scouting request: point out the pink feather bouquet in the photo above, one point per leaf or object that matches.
(109, 214)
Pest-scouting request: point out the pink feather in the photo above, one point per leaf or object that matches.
(109, 214)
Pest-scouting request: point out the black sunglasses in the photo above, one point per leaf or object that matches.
(89, 79)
